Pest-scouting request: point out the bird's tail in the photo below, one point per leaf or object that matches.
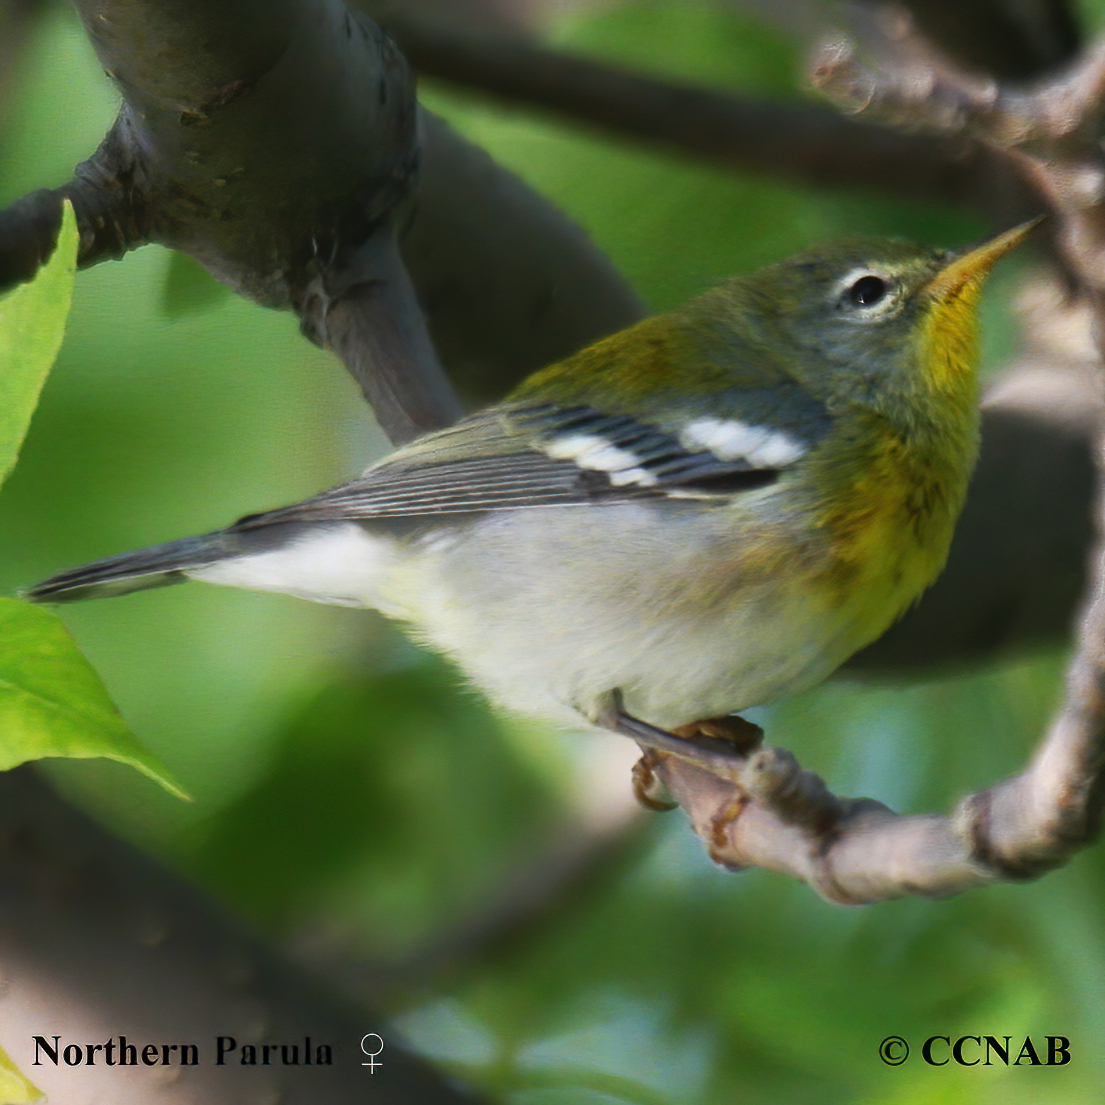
(155, 566)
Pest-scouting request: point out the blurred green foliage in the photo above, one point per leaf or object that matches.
(347, 788)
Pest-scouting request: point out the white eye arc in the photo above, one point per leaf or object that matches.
(867, 294)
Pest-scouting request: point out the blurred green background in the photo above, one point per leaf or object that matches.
(349, 793)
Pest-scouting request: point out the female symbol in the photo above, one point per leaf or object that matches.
(369, 1041)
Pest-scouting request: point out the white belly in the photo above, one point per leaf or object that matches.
(547, 619)
(547, 616)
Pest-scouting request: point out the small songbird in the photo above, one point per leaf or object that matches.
(708, 511)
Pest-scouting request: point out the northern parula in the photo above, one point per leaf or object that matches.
(705, 512)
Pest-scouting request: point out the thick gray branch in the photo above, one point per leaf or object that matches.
(508, 282)
(275, 143)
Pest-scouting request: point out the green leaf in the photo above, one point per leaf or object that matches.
(52, 703)
(32, 324)
(14, 1088)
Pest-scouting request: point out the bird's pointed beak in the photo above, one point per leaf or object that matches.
(971, 266)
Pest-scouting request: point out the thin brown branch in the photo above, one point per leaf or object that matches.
(914, 87)
(800, 140)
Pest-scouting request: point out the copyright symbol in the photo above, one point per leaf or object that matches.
(893, 1051)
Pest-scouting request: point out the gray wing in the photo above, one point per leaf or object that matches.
(523, 457)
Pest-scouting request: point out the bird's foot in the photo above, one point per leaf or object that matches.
(722, 744)
(647, 788)
(747, 739)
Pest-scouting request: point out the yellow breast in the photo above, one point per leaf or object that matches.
(890, 526)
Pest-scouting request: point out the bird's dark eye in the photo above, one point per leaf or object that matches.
(867, 291)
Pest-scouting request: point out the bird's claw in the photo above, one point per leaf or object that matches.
(647, 788)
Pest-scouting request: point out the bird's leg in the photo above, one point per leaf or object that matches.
(720, 743)
(712, 748)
